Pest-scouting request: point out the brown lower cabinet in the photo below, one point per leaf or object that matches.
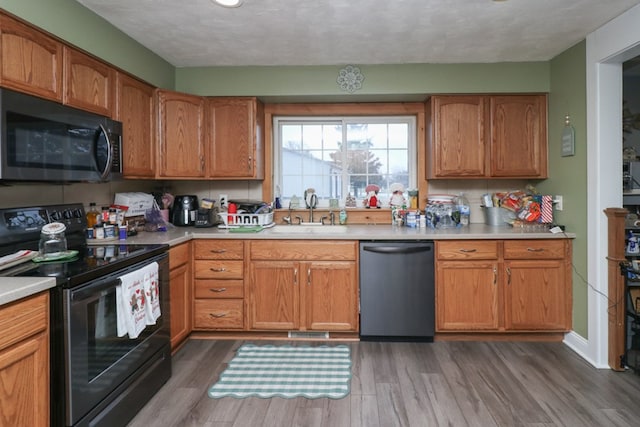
(180, 293)
(219, 285)
(297, 285)
(503, 286)
(24, 362)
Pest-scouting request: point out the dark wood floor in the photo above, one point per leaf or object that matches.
(413, 384)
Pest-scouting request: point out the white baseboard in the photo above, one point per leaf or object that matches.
(580, 345)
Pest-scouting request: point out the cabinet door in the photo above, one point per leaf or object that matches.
(274, 295)
(31, 61)
(329, 291)
(535, 295)
(88, 83)
(458, 144)
(466, 295)
(180, 295)
(24, 362)
(135, 109)
(181, 135)
(234, 138)
(519, 136)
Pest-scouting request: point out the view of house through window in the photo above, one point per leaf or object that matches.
(341, 156)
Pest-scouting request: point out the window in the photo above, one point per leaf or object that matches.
(337, 156)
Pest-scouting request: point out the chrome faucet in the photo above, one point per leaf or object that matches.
(287, 218)
(313, 201)
(332, 218)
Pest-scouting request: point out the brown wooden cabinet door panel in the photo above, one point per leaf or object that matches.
(136, 110)
(535, 249)
(519, 136)
(274, 295)
(535, 295)
(218, 314)
(180, 296)
(460, 250)
(219, 288)
(218, 269)
(459, 142)
(232, 137)
(24, 362)
(219, 249)
(466, 295)
(300, 250)
(88, 83)
(181, 135)
(331, 295)
(31, 60)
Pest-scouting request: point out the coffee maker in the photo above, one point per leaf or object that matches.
(184, 210)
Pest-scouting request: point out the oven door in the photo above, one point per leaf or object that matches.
(97, 360)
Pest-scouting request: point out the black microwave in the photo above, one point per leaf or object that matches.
(42, 140)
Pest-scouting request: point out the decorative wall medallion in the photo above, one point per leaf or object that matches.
(350, 79)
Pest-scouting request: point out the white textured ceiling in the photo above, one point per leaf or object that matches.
(190, 33)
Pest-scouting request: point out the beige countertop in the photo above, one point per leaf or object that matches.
(15, 288)
(177, 235)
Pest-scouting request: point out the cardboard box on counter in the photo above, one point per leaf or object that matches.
(137, 202)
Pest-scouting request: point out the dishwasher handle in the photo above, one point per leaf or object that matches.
(398, 249)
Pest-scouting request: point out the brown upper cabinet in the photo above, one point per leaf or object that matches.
(31, 60)
(89, 84)
(180, 135)
(135, 108)
(487, 136)
(235, 138)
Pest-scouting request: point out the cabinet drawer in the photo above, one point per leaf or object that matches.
(222, 269)
(219, 288)
(219, 314)
(301, 250)
(178, 255)
(218, 249)
(534, 249)
(23, 318)
(467, 249)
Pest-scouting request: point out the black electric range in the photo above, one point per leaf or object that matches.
(20, 229)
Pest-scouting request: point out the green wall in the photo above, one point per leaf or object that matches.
(406, 82)
(568, 175)
(80, 27)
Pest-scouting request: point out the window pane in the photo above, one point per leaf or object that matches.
(312, 154)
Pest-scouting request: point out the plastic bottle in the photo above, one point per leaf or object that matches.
(92, 215)
(343, 217)
(464, 209)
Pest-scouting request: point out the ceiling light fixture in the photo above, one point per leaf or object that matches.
(228, 3)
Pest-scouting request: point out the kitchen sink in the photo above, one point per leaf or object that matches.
(308, 229)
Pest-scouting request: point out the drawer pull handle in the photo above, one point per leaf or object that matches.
(495, 275)
(218, 251)
(217, 315)
(535, 249)
(468, 250)
(508, 276)
(217, 289)
(218, 270)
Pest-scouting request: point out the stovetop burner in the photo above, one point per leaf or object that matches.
(90, 263)
(20, 229)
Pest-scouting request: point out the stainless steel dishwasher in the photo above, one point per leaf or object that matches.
(397, 295)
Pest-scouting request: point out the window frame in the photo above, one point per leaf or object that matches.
(344, 120)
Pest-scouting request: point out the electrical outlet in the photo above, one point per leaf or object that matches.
(558, 202)
(223, 201)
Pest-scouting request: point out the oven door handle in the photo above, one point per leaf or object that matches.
(95, 290)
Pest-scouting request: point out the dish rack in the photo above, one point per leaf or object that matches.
(245, 220)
